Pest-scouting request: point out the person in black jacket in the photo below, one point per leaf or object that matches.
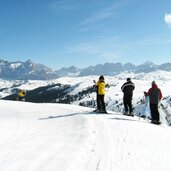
(128, 88)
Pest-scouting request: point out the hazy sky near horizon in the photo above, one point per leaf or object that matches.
(62, 33)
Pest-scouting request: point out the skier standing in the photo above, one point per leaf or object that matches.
(128, 88)
(101, 93)
(155, 96)
(21, 95)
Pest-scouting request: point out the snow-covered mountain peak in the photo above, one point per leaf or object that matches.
(29, 70)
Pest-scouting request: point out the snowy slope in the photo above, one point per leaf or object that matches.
(58, 137)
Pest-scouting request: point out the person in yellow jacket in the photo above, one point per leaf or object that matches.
(101, 93)
(21, 95)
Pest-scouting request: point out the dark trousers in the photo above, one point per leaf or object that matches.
(98, 102)
(154, 112)
(102, 103)
(128, 104)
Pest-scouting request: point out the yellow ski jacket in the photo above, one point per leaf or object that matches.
(101, 87)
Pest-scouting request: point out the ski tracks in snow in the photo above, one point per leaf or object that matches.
(114, 143)
(97, 153)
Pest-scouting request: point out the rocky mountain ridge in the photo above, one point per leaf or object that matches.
(31, 71)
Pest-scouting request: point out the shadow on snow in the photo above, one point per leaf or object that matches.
(88, 113)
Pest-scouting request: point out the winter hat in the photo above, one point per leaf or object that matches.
(153, 82)
(128, 79)
(101, 77)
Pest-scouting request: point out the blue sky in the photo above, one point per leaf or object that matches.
(62, 33)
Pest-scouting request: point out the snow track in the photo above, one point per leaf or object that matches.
(96, 153)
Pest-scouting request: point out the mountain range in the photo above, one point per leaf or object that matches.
(29, 70)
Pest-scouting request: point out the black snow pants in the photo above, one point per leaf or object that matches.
(98, 102)
(102, 103)
(128, 104)
(154, 112)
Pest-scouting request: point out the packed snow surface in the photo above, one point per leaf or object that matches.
(59, 137)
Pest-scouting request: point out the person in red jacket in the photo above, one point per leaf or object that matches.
(155, 96)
